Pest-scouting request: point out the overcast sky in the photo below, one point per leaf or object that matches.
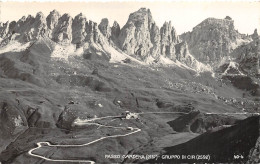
(183, 15)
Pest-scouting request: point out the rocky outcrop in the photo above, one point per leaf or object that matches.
(198, 122)
(248, 58)
(168, 40)
(115, 30)
(142, 38)
(52, 19)
(6, 29)
(255, 35)
(105, 28)
(135, 36)
(63, 30)
(254, 153)
(79, 29)
(220, 144)
(93, 34)
(26, 29)
(213, 39)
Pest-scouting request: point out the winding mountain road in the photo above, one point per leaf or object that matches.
(80, 122)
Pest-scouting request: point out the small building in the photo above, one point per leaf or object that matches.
(128, 115)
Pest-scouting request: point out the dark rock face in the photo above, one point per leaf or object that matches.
(115, 30)
(248, 57)
(105, 28)
(255, 35)
(63, 30)
(254, 153)
(78, 29)
(52, 19)
(6, 29)
(242, 82)
(197, 122)
(26, 29)
(221, 145)
(142, 38)
(168, 39)
(213, 39)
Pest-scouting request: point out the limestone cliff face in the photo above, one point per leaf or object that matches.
(255, 35)
(141, 36)
(79, 29)
(52, 19)
(6, 29)
(248, 57)
(135, 36)
(25, 29)
(115, 31)
(63, 30)
(104, 28)
(168, 40)
(214, 39)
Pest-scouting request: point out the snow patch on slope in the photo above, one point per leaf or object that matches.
(14, 46)
(65, 51)
(167, 61)
(232, 65)
(118, 57)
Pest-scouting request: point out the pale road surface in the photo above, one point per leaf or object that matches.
(80, 122)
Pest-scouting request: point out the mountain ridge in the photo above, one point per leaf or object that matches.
(64, 29)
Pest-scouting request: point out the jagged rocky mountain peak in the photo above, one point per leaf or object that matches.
(255, 35)
(142, 16)
(255, 32)
(52, 19)
(39, 15)
(54, 12)
(80, 16)
(213, 39)
(65, 17)
(217, 23)
(115, 24)
(104, 27)
(228, 18)
(168, 33)
(115, 31)
(140, 37)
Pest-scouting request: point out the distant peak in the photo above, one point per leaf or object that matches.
(228, 18)
(255, 32)
(167, 23)
(143, 9)
(104, 20)
(54, 11)
(39, 15)
(80, 15)
(29, 17)
(115, 24)
(66, 15)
